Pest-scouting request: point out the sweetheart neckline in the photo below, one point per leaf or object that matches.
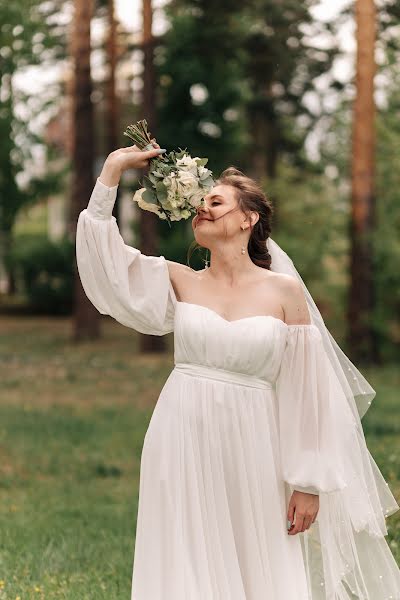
(234, 320)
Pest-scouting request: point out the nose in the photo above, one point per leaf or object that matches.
(202, 208)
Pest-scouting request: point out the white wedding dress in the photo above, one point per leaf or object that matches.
(238, 425)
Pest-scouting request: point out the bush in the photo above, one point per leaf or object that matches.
(45, 272)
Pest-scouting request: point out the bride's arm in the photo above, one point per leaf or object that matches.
(120, 281)
(110, 176)
(122, 159)
(294, 303)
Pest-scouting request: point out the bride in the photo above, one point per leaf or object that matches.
(255, 478)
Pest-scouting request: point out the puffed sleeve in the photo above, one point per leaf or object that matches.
(118, 279)
(316, 424)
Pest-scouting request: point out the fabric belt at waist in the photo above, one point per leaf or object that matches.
(222, 375)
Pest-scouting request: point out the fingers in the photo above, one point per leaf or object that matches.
(133, 148)
(146, 156)
(302, 523)
(305, 508)
(145, 153)
(297, 526)
(132, 157)
(307, 523)
(151, 153)
(290, 513)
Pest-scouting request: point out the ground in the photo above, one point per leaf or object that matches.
(72, 423)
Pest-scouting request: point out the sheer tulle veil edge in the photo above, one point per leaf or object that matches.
(345, 551)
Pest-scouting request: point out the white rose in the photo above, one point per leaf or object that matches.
(187, 163)
(171, 184)
(188, 183)
(138, 197)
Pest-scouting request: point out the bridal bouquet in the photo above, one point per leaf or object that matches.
(176, 183)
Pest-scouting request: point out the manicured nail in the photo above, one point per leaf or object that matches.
(289, 524)
(161, 150)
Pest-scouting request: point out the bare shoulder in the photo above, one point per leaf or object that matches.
(280, 279)
(293, 299)
(180, 275)
(175, 268)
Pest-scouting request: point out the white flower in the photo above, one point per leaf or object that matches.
(168, 205)
(187, 163)
(188, 184)
(138, 197)
(171, 184)
(178, 192)
(202, 170)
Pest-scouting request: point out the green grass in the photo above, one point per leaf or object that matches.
(72, 424)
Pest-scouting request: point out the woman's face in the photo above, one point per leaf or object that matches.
(212, 219)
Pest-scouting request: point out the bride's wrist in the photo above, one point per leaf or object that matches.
(111, 173)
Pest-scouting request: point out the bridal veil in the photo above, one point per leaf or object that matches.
(345, 551)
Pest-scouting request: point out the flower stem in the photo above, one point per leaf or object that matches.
(139, 134)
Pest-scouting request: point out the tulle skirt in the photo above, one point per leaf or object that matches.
(212, 513)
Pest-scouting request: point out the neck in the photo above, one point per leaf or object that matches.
(228, 265)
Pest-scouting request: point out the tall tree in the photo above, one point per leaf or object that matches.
(111, 98)
(362, 223)
(149, 241)
(203, 84)
(30, 35)
(283, 62)
(235, 79)
(112, 115)
(86, 317)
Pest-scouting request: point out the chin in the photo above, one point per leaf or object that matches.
(200, 236)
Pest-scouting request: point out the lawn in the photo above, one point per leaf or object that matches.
(72, 425)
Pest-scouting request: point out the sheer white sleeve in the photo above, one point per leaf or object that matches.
(315, 421)
(321, 397)
(118, 279)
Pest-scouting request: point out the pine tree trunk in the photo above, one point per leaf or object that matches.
(361, 293)
(86, 317)
(111, 105)
(265, 140)
(148, 221)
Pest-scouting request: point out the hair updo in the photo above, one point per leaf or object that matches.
(250, 197)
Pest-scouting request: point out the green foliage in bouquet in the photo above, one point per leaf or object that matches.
(175, 184)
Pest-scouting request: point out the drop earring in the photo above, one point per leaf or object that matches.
(243, 248)
(207, 261)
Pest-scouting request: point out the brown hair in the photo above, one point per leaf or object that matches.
(250, 197)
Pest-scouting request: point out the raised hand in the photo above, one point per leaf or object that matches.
(122, 159)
